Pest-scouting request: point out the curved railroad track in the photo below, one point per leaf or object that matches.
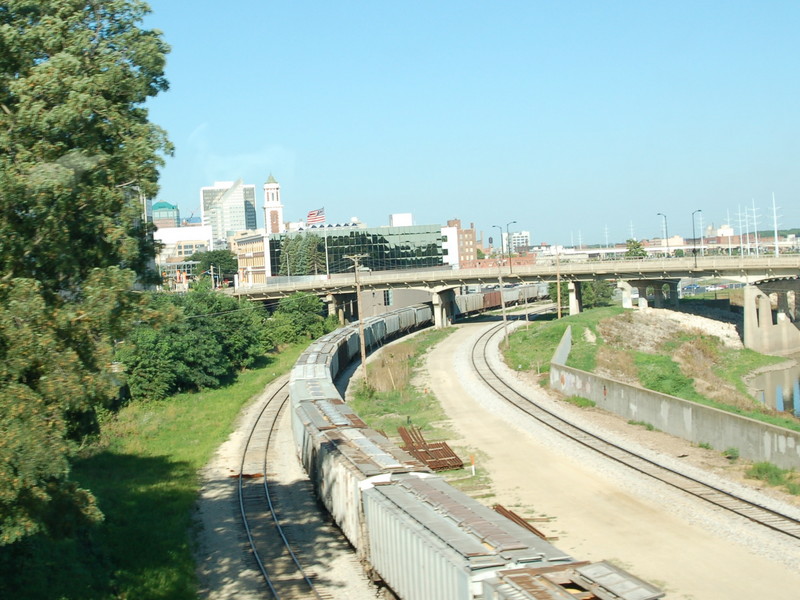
(720, 498)
(277, 560)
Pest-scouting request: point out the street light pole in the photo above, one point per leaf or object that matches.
(694, 237)
(508, 241)
(363, 347)
(500, 281)
(500, 262)
(666, 231)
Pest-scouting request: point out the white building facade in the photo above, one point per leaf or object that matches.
(228, 207)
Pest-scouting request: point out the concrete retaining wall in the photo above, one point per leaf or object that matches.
(700, 424)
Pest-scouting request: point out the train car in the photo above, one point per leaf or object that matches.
(491, 300)
(420, 524)
(510, 296)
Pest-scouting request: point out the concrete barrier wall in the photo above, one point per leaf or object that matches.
(697, 423)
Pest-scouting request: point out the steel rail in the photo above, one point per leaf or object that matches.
(703, 490)
(255, 453)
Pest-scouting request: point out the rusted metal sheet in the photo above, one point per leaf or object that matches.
(587, 581)
(437, 455)
(519, 520)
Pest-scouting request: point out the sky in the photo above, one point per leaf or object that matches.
(579, 120)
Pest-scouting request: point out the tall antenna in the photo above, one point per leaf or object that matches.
(775, 222)
(633, 237)
(755, 225)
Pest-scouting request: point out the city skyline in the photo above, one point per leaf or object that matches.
(572, 121)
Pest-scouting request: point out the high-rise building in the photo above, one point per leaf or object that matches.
(467, 247)
(520, 241)
(273, 209)
(166, 215)
(228, 207)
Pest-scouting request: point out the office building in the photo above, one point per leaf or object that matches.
(228, 207)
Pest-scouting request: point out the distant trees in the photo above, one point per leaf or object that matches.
(224, 262)
(593, 293)
(298, 316)
(635, 249)
(302, 255)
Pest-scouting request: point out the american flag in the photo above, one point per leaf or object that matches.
(316, 216)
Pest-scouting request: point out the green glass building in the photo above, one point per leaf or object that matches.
(323, 249)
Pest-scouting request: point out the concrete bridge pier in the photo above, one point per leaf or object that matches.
(574, 288)
(670, 299)
(627, 293)
(443, 307)
(772, 331)
(344, 306)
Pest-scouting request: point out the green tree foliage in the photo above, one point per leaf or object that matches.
(596, 293)
(302, 255)
(224, 262)
(197, 340)
(298, 316)
(593, 293)
(77, 154)
(634, 249)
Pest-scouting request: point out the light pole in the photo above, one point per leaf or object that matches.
(666, 231)
(508, 238)
(500, 262)
(500, 281)
(694, 237)
(362, 343)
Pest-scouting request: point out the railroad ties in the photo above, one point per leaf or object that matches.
(438, 456)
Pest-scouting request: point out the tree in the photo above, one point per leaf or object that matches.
(77, 155)
(635, 249)
(195, 341)
(224, 262)
(298, 316)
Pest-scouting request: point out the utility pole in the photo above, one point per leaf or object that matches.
(356, 258)
(558, 284)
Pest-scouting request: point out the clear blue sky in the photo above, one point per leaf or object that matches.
(575, 119)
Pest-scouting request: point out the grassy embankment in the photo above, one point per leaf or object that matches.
(663, 370)
(144, 472)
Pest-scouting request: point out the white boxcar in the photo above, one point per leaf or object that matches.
(430, 541)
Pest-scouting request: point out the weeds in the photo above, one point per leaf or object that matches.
(775, 476)
(731, 453)
(645, 424)
(581, 402)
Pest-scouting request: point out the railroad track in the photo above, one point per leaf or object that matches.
(276, 559)
(715, 496)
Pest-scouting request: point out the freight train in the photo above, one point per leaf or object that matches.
(414, 532)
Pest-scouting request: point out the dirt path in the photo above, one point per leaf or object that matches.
(601, 512)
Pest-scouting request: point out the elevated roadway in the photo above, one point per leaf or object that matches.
(742, 269)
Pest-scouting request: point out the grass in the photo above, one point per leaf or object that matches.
(731, 453)
(144, 473)
(645, 424)
(581, 402)
(531, 348)
(775, 476)
(390, 400)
